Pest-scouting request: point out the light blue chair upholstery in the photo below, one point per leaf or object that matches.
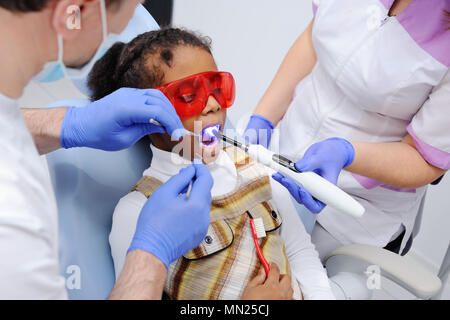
(88, 184)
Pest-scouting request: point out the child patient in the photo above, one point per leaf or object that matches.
(180, 64)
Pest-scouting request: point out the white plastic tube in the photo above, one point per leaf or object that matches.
(317, 186)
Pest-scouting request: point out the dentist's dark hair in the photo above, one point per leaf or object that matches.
(24, 6)
(138, 63)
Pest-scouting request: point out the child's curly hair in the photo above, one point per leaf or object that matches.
(126, 65)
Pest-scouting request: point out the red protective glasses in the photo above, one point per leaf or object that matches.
(190, 95)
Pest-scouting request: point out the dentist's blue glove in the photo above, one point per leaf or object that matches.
(119, 120)
(258, 131)
(171, 224)
(327, 159)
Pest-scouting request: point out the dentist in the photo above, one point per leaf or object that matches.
(33, 33)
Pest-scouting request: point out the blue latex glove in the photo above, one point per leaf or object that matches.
(258, 131)
(171, 224)
(119, 120)
(327, 159)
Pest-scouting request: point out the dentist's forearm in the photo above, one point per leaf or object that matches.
(142, 278)
(297, 64)
(397, 164)
(45, 127)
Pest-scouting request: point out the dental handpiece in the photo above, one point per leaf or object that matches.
(316, 185)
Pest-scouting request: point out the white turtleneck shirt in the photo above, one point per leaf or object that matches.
(303, 258)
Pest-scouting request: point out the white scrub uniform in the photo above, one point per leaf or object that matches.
(377, 78)
(29, 267)
(28, 215)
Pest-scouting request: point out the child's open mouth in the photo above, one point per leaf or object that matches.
(208, 136)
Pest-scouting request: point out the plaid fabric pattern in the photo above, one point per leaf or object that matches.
(226, 260)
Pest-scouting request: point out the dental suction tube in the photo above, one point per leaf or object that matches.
(317, 186)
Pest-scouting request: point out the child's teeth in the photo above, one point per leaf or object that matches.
(208, 137)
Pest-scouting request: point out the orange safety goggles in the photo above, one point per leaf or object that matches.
(190, 95)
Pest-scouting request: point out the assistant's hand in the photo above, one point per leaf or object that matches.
(258, 131)
(327, 159)
(275, 287)
(171, 224)
(120, 119)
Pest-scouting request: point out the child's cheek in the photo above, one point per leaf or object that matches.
(189, 124)
(224, 116)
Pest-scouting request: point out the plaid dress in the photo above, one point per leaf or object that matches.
(226, 260)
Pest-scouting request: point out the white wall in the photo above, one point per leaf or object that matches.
(434, 236)
(250, 39)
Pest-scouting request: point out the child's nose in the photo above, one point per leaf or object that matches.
(211, 106)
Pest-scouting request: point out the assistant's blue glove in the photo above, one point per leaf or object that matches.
(171, 224)
(327, 159)
(119, 120)
(258, 131)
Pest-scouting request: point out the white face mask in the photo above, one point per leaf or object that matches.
(56, 70)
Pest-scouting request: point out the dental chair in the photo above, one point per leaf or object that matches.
(355, 271)
(88, 184)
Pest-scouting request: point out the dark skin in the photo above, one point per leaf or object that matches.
(188, 61)
(276, 287)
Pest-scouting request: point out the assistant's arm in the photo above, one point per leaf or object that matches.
(297, 64)
(421, 157)
(397, 164)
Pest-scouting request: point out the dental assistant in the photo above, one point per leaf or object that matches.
(32, 34)
(365, 88)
